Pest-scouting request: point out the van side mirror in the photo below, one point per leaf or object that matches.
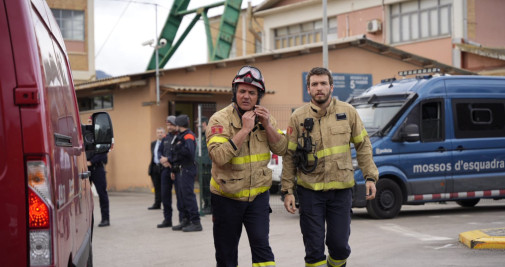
(410, 133)
(99, 136)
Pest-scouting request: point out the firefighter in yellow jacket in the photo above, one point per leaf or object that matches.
(240, 138)
(319, 155)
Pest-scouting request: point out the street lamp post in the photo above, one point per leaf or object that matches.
(156, 45)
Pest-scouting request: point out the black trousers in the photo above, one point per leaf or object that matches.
(228, 216)
(166, 194)
(98, 179)
(185, 182)
(156, 179)
(332, 208)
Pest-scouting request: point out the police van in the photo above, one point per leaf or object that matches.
(435, 138)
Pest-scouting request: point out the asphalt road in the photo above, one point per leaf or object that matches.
(421, 236)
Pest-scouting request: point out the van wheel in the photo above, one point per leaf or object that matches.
(387, 202)
(468, 203)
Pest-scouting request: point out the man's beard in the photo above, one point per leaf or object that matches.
(321, 101)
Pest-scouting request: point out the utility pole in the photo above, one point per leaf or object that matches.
(325, 36)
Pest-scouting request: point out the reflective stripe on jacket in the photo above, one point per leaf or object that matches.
(240, 174)
(334, 129)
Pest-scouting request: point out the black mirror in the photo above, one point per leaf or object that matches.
(98, 136)
(410, 133)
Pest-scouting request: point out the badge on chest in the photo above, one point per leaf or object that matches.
(341, 116)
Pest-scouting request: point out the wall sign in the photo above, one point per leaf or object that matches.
(345, 85)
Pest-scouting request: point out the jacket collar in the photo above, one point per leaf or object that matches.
(320, 112)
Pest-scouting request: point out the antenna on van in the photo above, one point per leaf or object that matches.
(390, 81)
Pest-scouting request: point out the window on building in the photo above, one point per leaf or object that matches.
(420, 19)
(304, 33)
(477, 118)
(87, 103)
(71, 23)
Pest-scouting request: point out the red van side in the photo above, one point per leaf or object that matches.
(46, 204)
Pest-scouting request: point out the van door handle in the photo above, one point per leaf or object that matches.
(441, 149)
(85, 175)
(460, 148)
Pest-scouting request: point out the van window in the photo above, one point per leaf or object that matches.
(477, 118)
(428, 115)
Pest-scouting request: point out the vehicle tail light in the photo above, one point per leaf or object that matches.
(39, 211)
(275, 159)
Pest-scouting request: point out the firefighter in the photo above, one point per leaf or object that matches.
(319, 155)
(184, 172)
(240, 138)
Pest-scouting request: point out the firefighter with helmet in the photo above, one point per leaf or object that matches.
(240, 138)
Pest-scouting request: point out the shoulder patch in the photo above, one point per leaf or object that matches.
(218, 129)
(289, 130)
(189, 136)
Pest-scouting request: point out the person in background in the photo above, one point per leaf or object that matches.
(155, 168)
(205, 168)
(325, 176)
(184, 172)
(167, 183)
(96, 163)
(240, 138)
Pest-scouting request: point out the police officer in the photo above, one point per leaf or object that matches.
(319, 155)
(96, 162)
(184, 172)
(240, 138)
(167, 183)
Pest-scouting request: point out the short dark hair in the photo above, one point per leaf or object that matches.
(319, 71)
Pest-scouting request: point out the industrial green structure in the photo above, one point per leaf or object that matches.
(220, 50)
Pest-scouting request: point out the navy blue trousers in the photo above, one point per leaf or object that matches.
(332, 207)
(185, 183)
(166, 194)
(98, 179)
(228, 216)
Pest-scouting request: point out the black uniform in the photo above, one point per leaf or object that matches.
(183, 158)
(166, 181)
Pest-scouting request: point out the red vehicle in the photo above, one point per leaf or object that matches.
(46, 204)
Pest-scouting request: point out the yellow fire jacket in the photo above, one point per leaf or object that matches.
(333, 131)
(240, 174)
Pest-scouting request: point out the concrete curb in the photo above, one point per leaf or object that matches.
(484, 239)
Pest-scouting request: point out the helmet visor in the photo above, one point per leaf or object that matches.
(255, 73)
(250, 75)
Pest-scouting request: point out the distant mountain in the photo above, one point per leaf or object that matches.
(102, 75)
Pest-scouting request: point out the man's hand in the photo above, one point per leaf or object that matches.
(163, 160)
(370, 190)
(166, 164)
(263, 114)
(289, 203)
(89, 163)
(172, 176)
(248, 120)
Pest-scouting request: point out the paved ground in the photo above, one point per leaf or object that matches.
(421, 236)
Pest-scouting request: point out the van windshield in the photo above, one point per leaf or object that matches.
(377, 115)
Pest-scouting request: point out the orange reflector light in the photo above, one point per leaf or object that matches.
(38, 212)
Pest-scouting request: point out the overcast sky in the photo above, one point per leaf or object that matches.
(121, 26)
